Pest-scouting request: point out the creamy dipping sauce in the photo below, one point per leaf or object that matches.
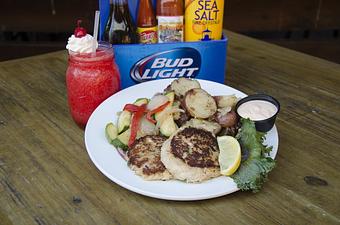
(257, 110)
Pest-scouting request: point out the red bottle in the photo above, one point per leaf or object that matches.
(146, 23)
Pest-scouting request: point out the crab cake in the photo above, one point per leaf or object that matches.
(144, 158)
(191, 154)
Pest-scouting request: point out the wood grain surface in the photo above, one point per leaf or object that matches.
(46, 176)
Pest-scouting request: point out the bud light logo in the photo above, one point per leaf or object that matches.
(179, 62)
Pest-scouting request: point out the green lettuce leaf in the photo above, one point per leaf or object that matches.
(254, 170)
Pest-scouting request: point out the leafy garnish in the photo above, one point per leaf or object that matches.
(254, 169)
(261, 136)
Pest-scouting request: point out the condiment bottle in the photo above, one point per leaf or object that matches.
(120, 28)
(146, 23)
(170, 20)
(203, 20)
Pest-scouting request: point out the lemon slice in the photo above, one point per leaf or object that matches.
(230, 154)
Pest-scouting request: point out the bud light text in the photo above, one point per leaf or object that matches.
(178, 62)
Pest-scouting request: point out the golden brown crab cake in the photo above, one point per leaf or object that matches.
(144, 158)
(191, 154)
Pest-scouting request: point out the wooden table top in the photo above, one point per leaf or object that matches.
(47, 177)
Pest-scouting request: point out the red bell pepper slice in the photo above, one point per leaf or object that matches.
(136, 117)
(131, 108)
(156, 110)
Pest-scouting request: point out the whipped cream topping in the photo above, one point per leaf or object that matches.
(81, 45)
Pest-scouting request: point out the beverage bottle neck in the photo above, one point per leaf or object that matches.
(120, 2)
(146, 16)
(170, 8)
(145, 5)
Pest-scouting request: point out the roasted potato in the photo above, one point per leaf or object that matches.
(182, 85)
(205, 124)
(182, 118)
(226, 119)
(223, 101)
(229, 131)
(167, 89)
(199, 103)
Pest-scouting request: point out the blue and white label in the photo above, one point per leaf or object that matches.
(175, 63)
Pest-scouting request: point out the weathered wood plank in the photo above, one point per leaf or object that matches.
(326, 48)
(9, 49)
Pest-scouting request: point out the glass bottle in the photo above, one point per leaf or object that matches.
(170, 20)
(146, 23)
(120, 28)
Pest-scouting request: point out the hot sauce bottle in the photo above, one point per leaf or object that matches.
(146, 23)
(170, 20)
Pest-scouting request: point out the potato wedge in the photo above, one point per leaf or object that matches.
(228, 119)
(224, 101)
(181, 118)
(199, 103)
(182, 85)
(205, 124)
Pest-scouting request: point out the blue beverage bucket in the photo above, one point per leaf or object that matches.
(143, 62)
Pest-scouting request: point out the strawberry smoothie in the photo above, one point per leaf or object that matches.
(90, 77)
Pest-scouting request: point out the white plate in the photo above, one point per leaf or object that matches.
(112, 165)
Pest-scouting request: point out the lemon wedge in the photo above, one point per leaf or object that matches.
(230, 154)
